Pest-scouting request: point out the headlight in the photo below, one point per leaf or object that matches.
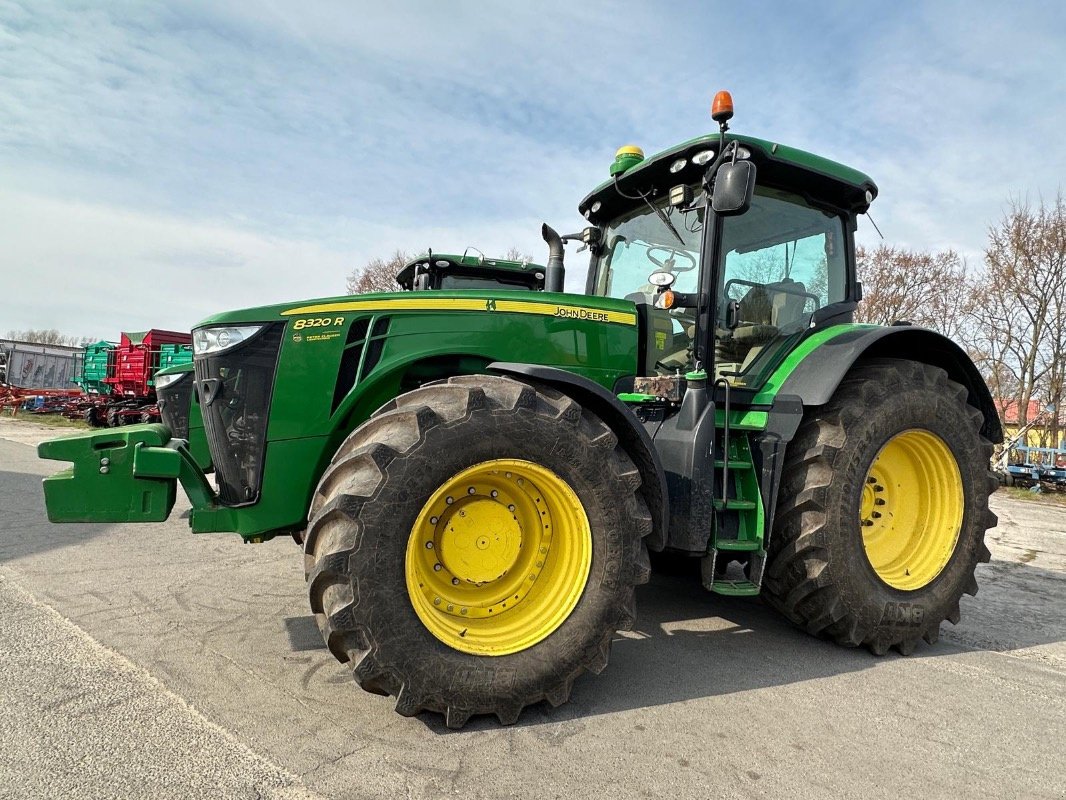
(162, 381)
(215, 340)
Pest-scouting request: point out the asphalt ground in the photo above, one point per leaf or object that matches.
(143, 661)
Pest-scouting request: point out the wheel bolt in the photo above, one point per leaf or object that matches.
(879, 488)
(876, 515)
(433, 520)
(494, 493)
(471, 490)
(879, 501)
(867, 523)
(455, 581)
(449, 500)
(511, 507)
(437, 568)
(429, 545)
(871, 480)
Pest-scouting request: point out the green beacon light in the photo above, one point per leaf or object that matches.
(626, 158)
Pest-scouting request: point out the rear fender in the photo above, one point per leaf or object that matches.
(816, 378)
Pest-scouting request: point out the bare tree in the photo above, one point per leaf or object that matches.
(514, 254)
(1022, 307)
(379, 275)
(929, 289)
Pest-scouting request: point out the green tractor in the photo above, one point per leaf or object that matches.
(436, 272)
(477, 477)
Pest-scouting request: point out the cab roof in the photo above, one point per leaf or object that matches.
(819, 179)
(467, 265)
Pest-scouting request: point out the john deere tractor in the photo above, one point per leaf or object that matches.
(477, 477)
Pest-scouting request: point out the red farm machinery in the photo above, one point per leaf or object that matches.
(122, 376)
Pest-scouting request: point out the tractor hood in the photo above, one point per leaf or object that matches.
(597, 309)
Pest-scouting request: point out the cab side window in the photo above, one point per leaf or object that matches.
(783, 260)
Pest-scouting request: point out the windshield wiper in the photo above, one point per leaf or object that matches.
(658, 211)
(666, 220)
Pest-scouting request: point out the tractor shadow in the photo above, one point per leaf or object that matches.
(24, 526)
(689, 644)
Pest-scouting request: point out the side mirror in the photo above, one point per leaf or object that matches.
(733, 187)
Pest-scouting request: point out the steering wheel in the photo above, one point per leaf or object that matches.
(669, 264)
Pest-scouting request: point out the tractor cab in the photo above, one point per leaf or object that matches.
(448, 273)
(726, 284)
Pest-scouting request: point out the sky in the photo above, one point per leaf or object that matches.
(160, 162)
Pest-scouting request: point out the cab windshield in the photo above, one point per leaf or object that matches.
(655, 238)
(640, 243)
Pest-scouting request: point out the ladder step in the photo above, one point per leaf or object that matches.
(735, 588)
(719, 463)
(735, 505)
(737, 544)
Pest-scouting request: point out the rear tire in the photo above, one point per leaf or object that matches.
(882, 575)
(370, 533)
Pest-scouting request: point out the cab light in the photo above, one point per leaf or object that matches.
(664, 299)
(703, 157)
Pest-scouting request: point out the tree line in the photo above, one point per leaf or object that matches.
(1010, 315)
(48, 336)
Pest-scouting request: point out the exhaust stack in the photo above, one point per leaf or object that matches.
(554, 272)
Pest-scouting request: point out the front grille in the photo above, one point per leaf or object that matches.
(234, 389)
(173, 401)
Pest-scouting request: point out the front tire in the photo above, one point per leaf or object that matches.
(882, 509)
(474, 546)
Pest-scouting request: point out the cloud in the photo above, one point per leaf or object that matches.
(269, 147)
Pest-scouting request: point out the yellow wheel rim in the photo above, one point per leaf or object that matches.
(911, 509)
(498, 557)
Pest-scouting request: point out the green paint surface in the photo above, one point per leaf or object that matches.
(795, 358)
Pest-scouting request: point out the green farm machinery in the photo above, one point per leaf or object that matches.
(450, 273)
(477, 477)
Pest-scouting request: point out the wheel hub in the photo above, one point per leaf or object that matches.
(481, 541)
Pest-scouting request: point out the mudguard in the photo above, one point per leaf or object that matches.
(815, 378)
(629, 430)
